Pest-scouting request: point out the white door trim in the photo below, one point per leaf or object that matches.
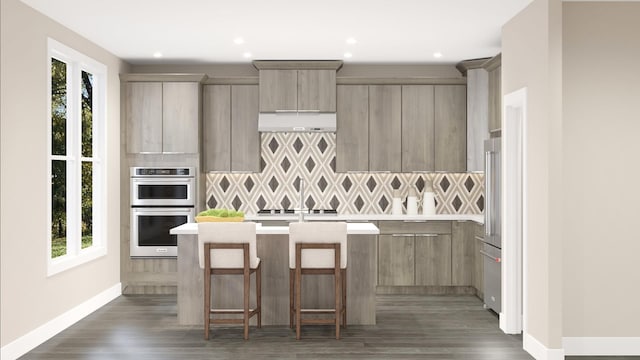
(514, 226)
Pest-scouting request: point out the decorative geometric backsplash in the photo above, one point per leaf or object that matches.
(285, 157)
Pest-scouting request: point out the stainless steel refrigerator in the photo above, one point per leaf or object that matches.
(492, 247)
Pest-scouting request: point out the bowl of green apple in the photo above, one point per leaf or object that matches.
(220, 215)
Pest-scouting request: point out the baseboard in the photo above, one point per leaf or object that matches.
(539, 351)
(601, 346)
(29, 341)
(425, 290)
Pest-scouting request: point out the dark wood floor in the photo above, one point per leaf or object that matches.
(409, 327)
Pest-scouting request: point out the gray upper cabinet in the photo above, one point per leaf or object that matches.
(385, 127)
(290, 86)
(352, 137)
(418, 138)
(317, 90)
(494, 67)
(495, 96)
(144, 117)
(278, 90)
(231, 139)
(216, 114)
(162, 117)
(450, 128)
(245, 140)
(180, 117)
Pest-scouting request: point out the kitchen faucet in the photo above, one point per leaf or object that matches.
(301, 216)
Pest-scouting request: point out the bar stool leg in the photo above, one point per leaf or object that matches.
(259, 294)
(292, 307)
(338, 285)
(207, 302)
(344, 298)
(298, 284)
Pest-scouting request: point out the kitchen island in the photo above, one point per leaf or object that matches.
(273, 251)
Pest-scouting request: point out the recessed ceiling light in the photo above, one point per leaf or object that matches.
(348, 55)
(238, 40)
(437, 54)
(247, 54)
(351, 41)
(157, 54)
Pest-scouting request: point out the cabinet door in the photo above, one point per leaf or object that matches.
(216, 114)
(450, 128)
(352, 136)
(396, 260)
(478, 271)
(385, 128)
(477, 117)
(317, 90)
(495, 99)
(144, 117)
(433, 259)
(180, 117)
(278, 90)
(462, 253)
(245, 140)
(417, 128)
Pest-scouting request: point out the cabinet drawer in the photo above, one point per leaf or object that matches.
(412, 227)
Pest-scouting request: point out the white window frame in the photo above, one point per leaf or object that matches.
(76, 63)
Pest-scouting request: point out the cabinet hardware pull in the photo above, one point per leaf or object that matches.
(414, 221)
(427, 235)
(286, 111)
(402, 235)
(309, 111)
(479, 238)
(490, 257)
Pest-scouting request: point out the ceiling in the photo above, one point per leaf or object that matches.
(203, 31)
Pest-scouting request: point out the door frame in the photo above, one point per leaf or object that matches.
(513, 318)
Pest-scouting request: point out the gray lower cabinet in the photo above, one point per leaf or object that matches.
(428, 255)
(478, 268)
(162, 117)
(418, 138)
(462, 252)
(230, 128)
(385, 128)
(450, 128)
(352, 137)
(396, 265)
(433, 259)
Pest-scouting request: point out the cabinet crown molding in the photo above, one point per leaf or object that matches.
(415, 80)
(465, 65)
(493, 63)
(163, 77)
(297, 64)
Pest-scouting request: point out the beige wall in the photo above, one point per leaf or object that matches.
(601, 137)
(531, 58)
(29, 298)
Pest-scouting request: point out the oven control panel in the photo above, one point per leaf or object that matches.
(166, 172)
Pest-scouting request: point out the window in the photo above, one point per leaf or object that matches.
(77, 98)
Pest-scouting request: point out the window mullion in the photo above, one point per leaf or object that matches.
(74, 241)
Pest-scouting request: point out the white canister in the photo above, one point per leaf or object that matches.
(428, 203)
(412, 202)
(396, 204)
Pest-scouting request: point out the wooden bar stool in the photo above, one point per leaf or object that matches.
(226, 248)
(318, 248)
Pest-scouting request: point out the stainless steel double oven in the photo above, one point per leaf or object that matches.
(161, 198)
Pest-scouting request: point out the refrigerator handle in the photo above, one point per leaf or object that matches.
(487, 199)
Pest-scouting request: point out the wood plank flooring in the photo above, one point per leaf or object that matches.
(409, 327)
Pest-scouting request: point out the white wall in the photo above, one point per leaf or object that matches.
(531, 58)
(29, 298)
(602, 171)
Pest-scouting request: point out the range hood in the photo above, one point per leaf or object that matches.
(297, 122)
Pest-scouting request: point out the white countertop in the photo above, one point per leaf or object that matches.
(369, 217)
(352, 229)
